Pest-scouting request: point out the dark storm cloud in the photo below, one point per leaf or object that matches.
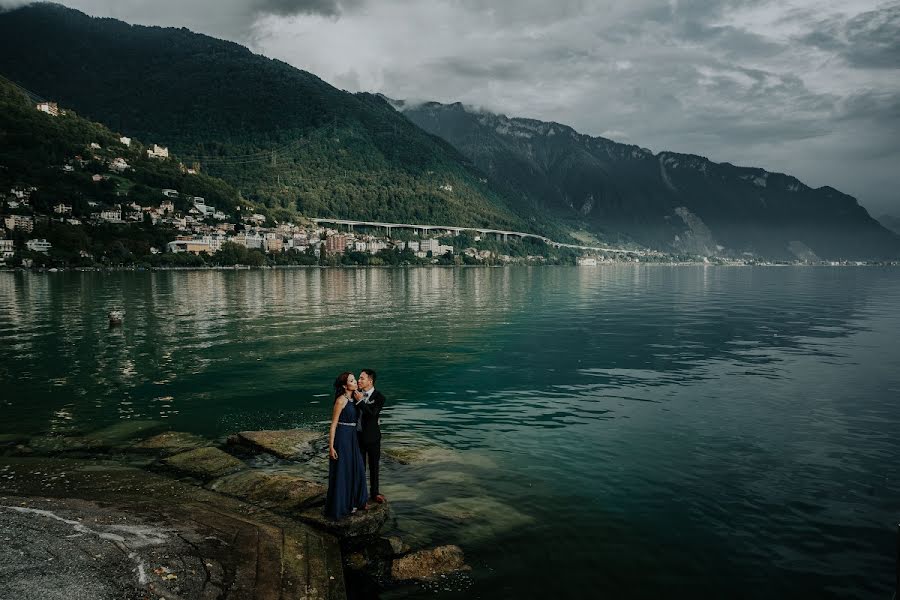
(869, 40)
(288, 8)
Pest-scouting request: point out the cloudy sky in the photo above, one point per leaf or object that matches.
(807, 87)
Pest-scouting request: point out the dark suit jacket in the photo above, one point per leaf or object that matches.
(371, 430)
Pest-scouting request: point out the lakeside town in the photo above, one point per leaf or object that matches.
(164, 227)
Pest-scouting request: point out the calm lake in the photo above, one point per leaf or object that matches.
(621, 432)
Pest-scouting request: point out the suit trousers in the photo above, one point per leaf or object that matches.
(371, 452)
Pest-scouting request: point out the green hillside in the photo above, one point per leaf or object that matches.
(54, 157)
(281, 136)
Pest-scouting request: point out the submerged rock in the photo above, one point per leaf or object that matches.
(426, 565)
(204, 463)
(410, 455)
(121, 432)
(275, 491)
(171, 442)
(352, 529)
(12, 439)
(289, 444)
(53, 444)
(398, 546)
(481, 517)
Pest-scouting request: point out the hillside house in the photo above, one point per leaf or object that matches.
(48, 107)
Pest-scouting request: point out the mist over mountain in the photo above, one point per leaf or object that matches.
(681, 202)
(891, 222)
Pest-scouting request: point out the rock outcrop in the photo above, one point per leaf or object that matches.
(204, 463)
(279, 492)
(426, 565)
(290, 444)
(354, 529)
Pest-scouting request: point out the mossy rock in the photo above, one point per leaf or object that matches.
(170, 442)
(427, 565)
(290, 444)
(353, 529)
(204, 463)
(121, 433)
(276, 491)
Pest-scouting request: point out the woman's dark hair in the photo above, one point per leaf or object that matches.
(340, 382)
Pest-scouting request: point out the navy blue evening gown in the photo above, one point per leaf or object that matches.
(347, 474)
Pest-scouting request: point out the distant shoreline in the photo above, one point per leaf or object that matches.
(358, 267)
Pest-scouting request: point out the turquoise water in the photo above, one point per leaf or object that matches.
(627, 432)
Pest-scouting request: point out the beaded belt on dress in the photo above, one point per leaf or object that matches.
(342, 423)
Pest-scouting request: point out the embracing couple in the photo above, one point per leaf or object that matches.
(353, 440)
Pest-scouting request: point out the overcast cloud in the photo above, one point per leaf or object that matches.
(807, 87)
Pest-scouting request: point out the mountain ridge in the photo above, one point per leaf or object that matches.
(677, 201)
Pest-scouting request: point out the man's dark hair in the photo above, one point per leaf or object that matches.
(371, 374)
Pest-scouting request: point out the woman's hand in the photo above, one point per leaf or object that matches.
(332, 453)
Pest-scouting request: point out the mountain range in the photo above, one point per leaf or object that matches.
(682, 202)
(290, 143)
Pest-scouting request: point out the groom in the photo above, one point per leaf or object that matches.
(369, 402)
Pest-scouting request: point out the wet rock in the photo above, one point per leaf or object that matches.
(353, 529)
(426, 565)
(481, 518)
(276, 491)
(289, 444)
(170, 442)
(398, 546)
(12, 439)
(357, 561)
(54, 444)
(204, 463)
(121, 432)
(413, 455)
(156, 538)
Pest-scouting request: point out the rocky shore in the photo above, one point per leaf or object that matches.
(131, 511)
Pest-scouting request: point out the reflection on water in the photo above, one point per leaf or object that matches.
(631, 431)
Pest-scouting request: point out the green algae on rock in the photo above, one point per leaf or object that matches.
(289, 444)
(170, 442)
(426, 565)
(276, 491)
(204, 463)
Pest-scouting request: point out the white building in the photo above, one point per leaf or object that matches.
(7, 249)
(158, 152)
(119, 164)
(429, 246)
(586, 261)
(125, 141)
(41, 245)
(22, 222)
(48, 107)
(376, 245)
(414, 246)
(62, 209)
(94, 146)
(196, 245)
(111, 215)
